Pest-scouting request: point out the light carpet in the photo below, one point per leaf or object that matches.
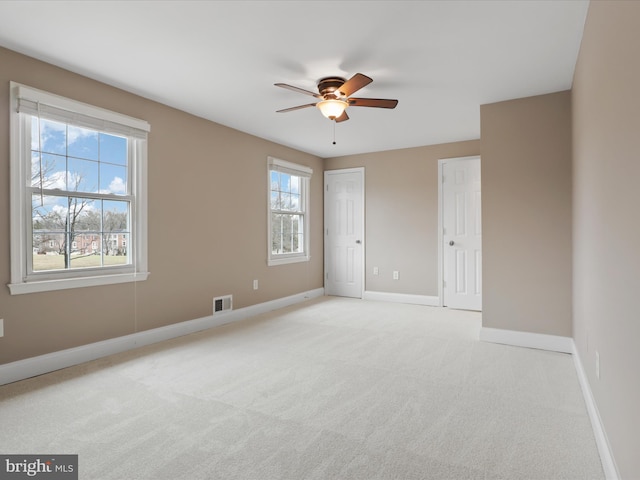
(334, 388)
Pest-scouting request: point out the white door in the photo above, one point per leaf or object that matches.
(462, 233)
(344, 231)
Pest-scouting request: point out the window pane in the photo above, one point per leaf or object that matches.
(53, 136)
(115, 216)
(54, 171)
(84, 229)
(295, 203)
(285, 182)
(82, 175)
(115, 248)
(275, 181)
(295, 184)
(113, 179)
(115, 226)
(286, 234)
(47, 248)
(84, 216)
(275, 201)
(113, 149)
(88, 251)
(276, 233)
(49, 213)
(295, 234)
(286, 201)
(82, 143)
(49, 218)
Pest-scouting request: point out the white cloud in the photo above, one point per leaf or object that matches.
(56, 180)
(76, 133)
(118, 185)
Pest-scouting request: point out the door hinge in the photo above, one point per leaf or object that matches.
(327, 187)
(327, 275)
(444, 284)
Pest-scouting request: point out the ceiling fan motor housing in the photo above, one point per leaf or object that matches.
(328, 86)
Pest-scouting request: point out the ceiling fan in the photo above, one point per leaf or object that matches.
(334, 96)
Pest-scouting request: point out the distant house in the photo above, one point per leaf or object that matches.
(48, 243)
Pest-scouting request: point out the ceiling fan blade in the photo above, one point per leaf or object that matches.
(296, 108)
(342, 118)
(354, 84)
(373, 102)
(296, 89)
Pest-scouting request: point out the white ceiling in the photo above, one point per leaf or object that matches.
(220, 59)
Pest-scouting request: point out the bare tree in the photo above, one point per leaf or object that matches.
(114, 223)
(66, 221)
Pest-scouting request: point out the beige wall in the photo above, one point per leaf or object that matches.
(526, 214)
(606, 136)
(207, 226)
(401, 214)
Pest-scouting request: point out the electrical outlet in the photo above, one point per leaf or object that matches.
(376, 271)
(597, 365)
(255, 284)
(396, 275)
(1, 327)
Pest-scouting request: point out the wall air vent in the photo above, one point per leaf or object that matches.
(222, 304)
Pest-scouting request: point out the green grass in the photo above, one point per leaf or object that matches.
(56, 262)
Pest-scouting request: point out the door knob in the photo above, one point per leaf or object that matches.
(358, 242)
(451, 242)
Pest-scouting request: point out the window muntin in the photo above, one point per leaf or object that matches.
(288, 217)
(78, 194)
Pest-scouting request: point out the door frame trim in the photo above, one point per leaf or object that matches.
(441, 163)
(361, 171)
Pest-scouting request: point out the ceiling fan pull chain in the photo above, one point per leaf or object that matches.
(334, 132)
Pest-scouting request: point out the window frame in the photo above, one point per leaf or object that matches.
(23, 279)
(304, 173)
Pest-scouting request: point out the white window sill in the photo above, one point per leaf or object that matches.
(286, 260)
(65, 283)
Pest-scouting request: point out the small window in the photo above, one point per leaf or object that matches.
(288, 212)
(78, 176)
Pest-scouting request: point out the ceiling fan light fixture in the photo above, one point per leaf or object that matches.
(332, 108)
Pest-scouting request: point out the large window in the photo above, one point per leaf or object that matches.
(288, 212)
(78, 194)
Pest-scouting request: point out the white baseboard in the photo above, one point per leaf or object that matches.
(564, 345)
(402, 298)
(30, 367)
(540, 341)
(606, 457)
